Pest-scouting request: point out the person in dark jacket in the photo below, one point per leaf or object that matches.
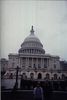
(47, 89)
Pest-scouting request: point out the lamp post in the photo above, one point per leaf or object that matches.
(16, 84)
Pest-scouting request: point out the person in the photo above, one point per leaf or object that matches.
(47, 90)
(38, 92)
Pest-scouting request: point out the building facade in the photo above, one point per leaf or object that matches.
(33, 61)
(4, 64)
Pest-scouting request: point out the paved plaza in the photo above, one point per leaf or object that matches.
(28, 95)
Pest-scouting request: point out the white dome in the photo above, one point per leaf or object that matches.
(31, 37)
(32, 43)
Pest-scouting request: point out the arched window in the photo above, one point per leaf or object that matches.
(11, 75)
(63, 76)
(47, 76)
(24, 75)
(31, 75)
(39, 76)
(55, 76)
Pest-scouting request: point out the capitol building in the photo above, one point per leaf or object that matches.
(33, 62)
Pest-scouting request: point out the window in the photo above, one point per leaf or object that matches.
(13, 58)
(47, 76)
(11, 75)
(24, 73)
(13, 64)
(31, 75)
(54, 60)
(23, 51)
(54, 66)
(45, 66)
(39, 76)
(63, 76)
(34, 65)
(30, 50)
(23, 66)
(39, 66)
(55, 76)
(29, 66)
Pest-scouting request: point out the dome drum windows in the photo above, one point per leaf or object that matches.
(31, 50)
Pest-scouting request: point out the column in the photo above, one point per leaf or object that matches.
(41, 63)
(36, 62)
(32, 62)
(47, 62)
(20, 62)
(26, 63)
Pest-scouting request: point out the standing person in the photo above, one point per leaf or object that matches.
(47, 90)
(38, 92)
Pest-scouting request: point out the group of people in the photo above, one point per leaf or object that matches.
(42, 93)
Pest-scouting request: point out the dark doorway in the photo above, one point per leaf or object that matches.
(32, 75)
(55, 76)
(63, 76)
(47, 76)
(39, 76)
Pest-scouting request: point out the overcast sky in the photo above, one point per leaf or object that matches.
(49, 19)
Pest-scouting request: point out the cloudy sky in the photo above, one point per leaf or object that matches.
(49, 19)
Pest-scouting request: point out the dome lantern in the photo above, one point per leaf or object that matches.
(32, 30)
